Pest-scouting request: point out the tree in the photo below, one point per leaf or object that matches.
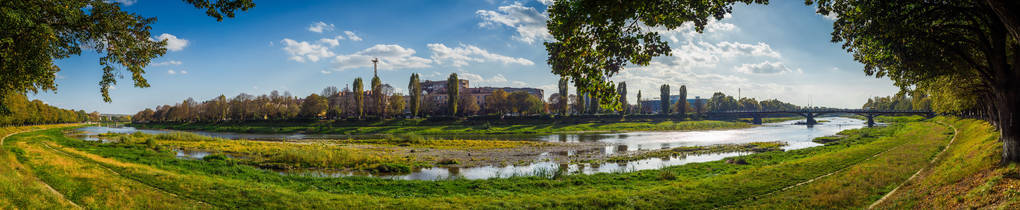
(396, 105)
(954, 48)
(562, 105)
(329, 91)
(722, 102)
(579, 104)
(414, 91)
(610, 34)
(748, 104)
(621, 90)
(664, 99)
(34, 33)
(378, 98)
(25, 112)
(359, 97)
(453, 93)
(523, 103)
(496, 102)
(469, 106)
(313, 107)
(699, 106)
(682, 103)
(639, 101)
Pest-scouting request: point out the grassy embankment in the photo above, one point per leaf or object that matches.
(968, 175)
(222, 182)
(19, 186)
(870, 179)
(425, 128)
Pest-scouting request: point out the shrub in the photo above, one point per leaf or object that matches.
(215, 157)
(448, 161)
(390, 168)
(667, 175)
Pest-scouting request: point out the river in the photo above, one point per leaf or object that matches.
(796, 137)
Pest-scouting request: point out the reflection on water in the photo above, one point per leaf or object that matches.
(796, 136)
(543, 168)
(198, 155)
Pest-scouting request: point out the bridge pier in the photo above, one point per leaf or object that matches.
(756, 120)
(811, 119)
(871, 120)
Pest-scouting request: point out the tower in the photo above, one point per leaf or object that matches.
(375, 67)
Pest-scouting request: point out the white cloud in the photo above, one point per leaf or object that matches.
(167, 63)
(464, 54)
(497, 80)
(713, 28)
(434, 74)
(699, 65)
(320, 27)
(351, 36)
(765, 68)
(123, 2)
(330, 42)
(172, 42)
(704, 54)
(171, 71)
(390, 57)
(184, 71)
(546, 2)
(831, 16)
(301, 51)
(529, 23)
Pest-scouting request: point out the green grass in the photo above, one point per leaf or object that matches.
(366, 155)
(693, 150)
(968, 175)
(19, 186)
(216, 181)
(861, 184)
(228, 183)
(450, 128)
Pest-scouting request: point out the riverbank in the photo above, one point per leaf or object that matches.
(729, 182)
(427, 128)
(401, 154)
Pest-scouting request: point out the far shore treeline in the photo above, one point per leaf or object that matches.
(25, 112)
(379, 102)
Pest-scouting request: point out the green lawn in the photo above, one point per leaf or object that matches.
(762, 182)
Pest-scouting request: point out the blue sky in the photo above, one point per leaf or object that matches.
(781, 50)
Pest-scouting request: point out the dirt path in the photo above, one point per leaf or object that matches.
(932, 163)
(48, 187)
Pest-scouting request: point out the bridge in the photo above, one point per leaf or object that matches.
(810, 114)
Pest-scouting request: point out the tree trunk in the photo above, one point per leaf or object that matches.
(1008, 127)
(1006, 11)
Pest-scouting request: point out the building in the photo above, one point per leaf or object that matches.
(439, 87)
(436, 91)
(483, 92)
(656, 107)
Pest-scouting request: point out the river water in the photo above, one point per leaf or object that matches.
(796, 136)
